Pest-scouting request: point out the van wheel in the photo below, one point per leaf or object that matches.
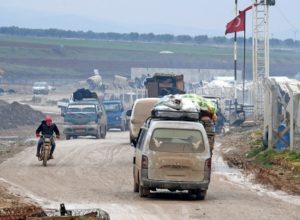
(200, 194)
(98, 135)
(68, 137)
(143, 191)
(135, 186)
(104, 133)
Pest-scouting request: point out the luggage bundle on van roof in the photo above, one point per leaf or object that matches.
(184, 107)
(81, 94)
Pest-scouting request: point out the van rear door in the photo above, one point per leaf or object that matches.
(177, 155)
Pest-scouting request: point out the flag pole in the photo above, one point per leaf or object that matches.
(235, 60)
(244, 64)
(236, 25)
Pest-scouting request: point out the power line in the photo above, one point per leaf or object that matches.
(288, 22)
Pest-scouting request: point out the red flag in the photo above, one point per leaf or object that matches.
(237, 24)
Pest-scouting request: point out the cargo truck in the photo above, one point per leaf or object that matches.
(162, 84)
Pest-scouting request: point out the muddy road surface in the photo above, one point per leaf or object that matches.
(91, 173)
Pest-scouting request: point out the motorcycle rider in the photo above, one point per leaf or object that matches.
(47, 128)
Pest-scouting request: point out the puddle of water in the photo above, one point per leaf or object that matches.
(235, 176)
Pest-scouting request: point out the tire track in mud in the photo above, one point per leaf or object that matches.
(111, 153)
(97, 163)
(113, 160)
(98, 173)
(82, 164)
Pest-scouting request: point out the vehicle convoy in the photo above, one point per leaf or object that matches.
(85, 116)
(157, 86)
(116, 117)
(172, 152)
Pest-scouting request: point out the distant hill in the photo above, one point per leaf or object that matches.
(46, 20)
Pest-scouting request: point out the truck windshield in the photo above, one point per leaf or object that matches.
(73, 110)
(177, 141)
(80, 114)
(112, 107)
(82, 109)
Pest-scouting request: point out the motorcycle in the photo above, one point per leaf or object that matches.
(45, 149)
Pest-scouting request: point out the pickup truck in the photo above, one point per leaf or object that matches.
(85, 119)
(84, 115)
(116, 117)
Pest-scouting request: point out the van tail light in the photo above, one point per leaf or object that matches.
(208, 164)
(144, 162)
(207, 169)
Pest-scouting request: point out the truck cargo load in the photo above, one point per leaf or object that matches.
(83, 93)
(190, 107)
(162, 84)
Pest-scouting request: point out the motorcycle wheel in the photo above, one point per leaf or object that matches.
(45, 157)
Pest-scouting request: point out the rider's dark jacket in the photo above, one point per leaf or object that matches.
(47, 130)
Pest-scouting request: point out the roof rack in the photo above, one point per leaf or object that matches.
(173, 115)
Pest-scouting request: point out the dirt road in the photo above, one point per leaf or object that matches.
(90, 173)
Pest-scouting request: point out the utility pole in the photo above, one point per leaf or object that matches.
(260, 53)
(235, 60)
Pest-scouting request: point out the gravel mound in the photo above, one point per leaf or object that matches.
(16, 114)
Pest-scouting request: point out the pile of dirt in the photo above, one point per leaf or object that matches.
(236, 146)
(15, 114)
(12, 203)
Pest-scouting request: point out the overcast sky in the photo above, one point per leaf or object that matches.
(193, 17)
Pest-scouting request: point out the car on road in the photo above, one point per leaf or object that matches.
(173, 155)
(140, 111)
(40, 88)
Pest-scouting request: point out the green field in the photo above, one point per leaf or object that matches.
(41, 57)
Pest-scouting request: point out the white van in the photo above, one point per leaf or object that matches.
(141, 110)
(173, 155)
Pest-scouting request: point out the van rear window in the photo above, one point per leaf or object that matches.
(112, 107)
(177, 141)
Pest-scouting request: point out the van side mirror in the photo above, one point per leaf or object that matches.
(128, 113)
